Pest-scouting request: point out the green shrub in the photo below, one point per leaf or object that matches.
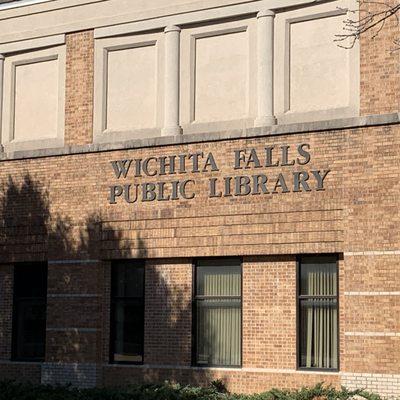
(11, 390)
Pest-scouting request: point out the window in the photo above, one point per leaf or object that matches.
(218, 312)
(127, 312)
(318, 313)
(29, 313)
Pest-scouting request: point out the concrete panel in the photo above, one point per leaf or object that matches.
(128, 87)
(131, 88)
(314, 79)
(319, 69)
(221, 61)
(218, 76)
(36, 100)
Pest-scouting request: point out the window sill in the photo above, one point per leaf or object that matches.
(318, 370)
(217, 367)
(24, 361)
(128, 363)
(33, 145)
(227, 369)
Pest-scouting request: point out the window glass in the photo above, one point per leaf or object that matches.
(318, 276)
(218, 312)
(30, 280)
(128, 280)
(318, 313)
(29, 319)
(127, 312)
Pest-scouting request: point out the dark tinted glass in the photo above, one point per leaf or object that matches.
(29, 326)
(30, 280)
(127, 312)
(128, 279)
(128, 325)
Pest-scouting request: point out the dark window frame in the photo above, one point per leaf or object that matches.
(141, 263)
(299, 297)
(194, 312)
(17, 301)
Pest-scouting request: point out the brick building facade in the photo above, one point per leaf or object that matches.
(170, 139)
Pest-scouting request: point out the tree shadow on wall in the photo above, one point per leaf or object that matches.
(30, 231)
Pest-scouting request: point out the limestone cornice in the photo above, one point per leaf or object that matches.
(327, 126)
(39, 18)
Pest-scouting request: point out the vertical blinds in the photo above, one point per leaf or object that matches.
(218, 312)
(318, 314)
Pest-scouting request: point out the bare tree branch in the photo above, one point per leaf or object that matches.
(371, 16)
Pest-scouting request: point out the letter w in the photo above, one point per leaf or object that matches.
(121, 167)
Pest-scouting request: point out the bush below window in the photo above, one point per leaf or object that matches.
(10, 390)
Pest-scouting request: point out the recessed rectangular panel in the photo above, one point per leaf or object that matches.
(36, 100)
(319, 69)
(131, 88)
(221, 77)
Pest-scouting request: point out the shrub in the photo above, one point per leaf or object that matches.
(11, 390)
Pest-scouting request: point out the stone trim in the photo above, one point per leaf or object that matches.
(21, 362)
(32, 44)
(241, 369)
(82, 375)
(373, 334)
(386, 385)
(72, 295)
(21, 3)
(131, 20)
(75, 330)
(57, 262)
(277, 130)
(373, 253)
(198, 16)
(394, 293)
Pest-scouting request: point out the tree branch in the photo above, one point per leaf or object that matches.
(371, 17)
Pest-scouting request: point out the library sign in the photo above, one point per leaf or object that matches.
(268, 171)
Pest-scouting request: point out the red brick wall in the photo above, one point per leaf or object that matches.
(358, 211)
(21, 372)
(79, 88)
(269, 312)
(380, 66)
(74, 311)
(6, 305)
(371, 309)
(168, 322)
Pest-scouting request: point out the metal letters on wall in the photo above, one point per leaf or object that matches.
(260, 181)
